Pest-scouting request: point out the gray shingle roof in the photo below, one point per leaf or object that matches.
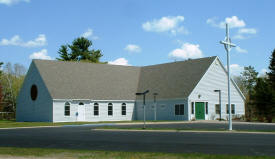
(173, 80)
(78, 80)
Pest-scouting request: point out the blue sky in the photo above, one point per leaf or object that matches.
(139, 32)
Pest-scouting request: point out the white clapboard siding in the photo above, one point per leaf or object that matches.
(59, 108)
(41, 108)
(216, 79)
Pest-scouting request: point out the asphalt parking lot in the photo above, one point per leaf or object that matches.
(84, 137)
(207, 125)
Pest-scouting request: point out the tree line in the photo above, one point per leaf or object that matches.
(259, 92)
(11, 80)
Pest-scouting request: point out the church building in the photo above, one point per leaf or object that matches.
(60, 91)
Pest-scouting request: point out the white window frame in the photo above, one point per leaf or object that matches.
(122, 105)
(96, 105)
(65, 105)
(112, 110)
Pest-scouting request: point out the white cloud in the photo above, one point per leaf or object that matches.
(119, 61)
(235, 69)
(244, 33)
(186, 51)
(240, 50)
(212, 22)
(11, 2)
(172, 24)
(43, 54)
(89, 34)
(17, 41)
(233, 22)
(239, 36)
(247, 31)
(132, 48)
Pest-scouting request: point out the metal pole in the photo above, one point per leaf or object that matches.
(228, 77)
(227, 44)
(144, 114)
(220, 102)
(155, 107)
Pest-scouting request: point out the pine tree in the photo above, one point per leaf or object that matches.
(264, 100)
(79, 50)
(271, 74)
(63, 53)
(1, 94)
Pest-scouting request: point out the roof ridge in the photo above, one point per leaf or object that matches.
(182, 61)
(188, 60)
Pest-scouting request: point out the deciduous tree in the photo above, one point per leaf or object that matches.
(11, 82)
(247, 81)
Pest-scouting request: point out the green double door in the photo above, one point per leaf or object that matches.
(200, 111)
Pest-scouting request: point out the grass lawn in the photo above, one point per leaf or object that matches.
(8, 153)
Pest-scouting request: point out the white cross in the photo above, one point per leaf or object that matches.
(227, 41)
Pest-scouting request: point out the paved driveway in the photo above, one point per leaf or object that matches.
(208, 125)
(83, 137)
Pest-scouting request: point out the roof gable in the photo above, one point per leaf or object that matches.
(173, 80)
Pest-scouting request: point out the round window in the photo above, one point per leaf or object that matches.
(34, 92)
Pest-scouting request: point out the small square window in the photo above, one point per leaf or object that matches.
(179, 109)
(232, 109)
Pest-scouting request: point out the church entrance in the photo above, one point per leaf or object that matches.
(81, 112)
(200, 111)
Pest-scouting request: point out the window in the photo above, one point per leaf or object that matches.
(206, 108)
(227, 109)
(110, 109)
(96, 109)
(34, 92)
(123, 109)
(67, 109)
(232, 109)
(179, 109)
(81, 103)
(217, 108)
(192, 107)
